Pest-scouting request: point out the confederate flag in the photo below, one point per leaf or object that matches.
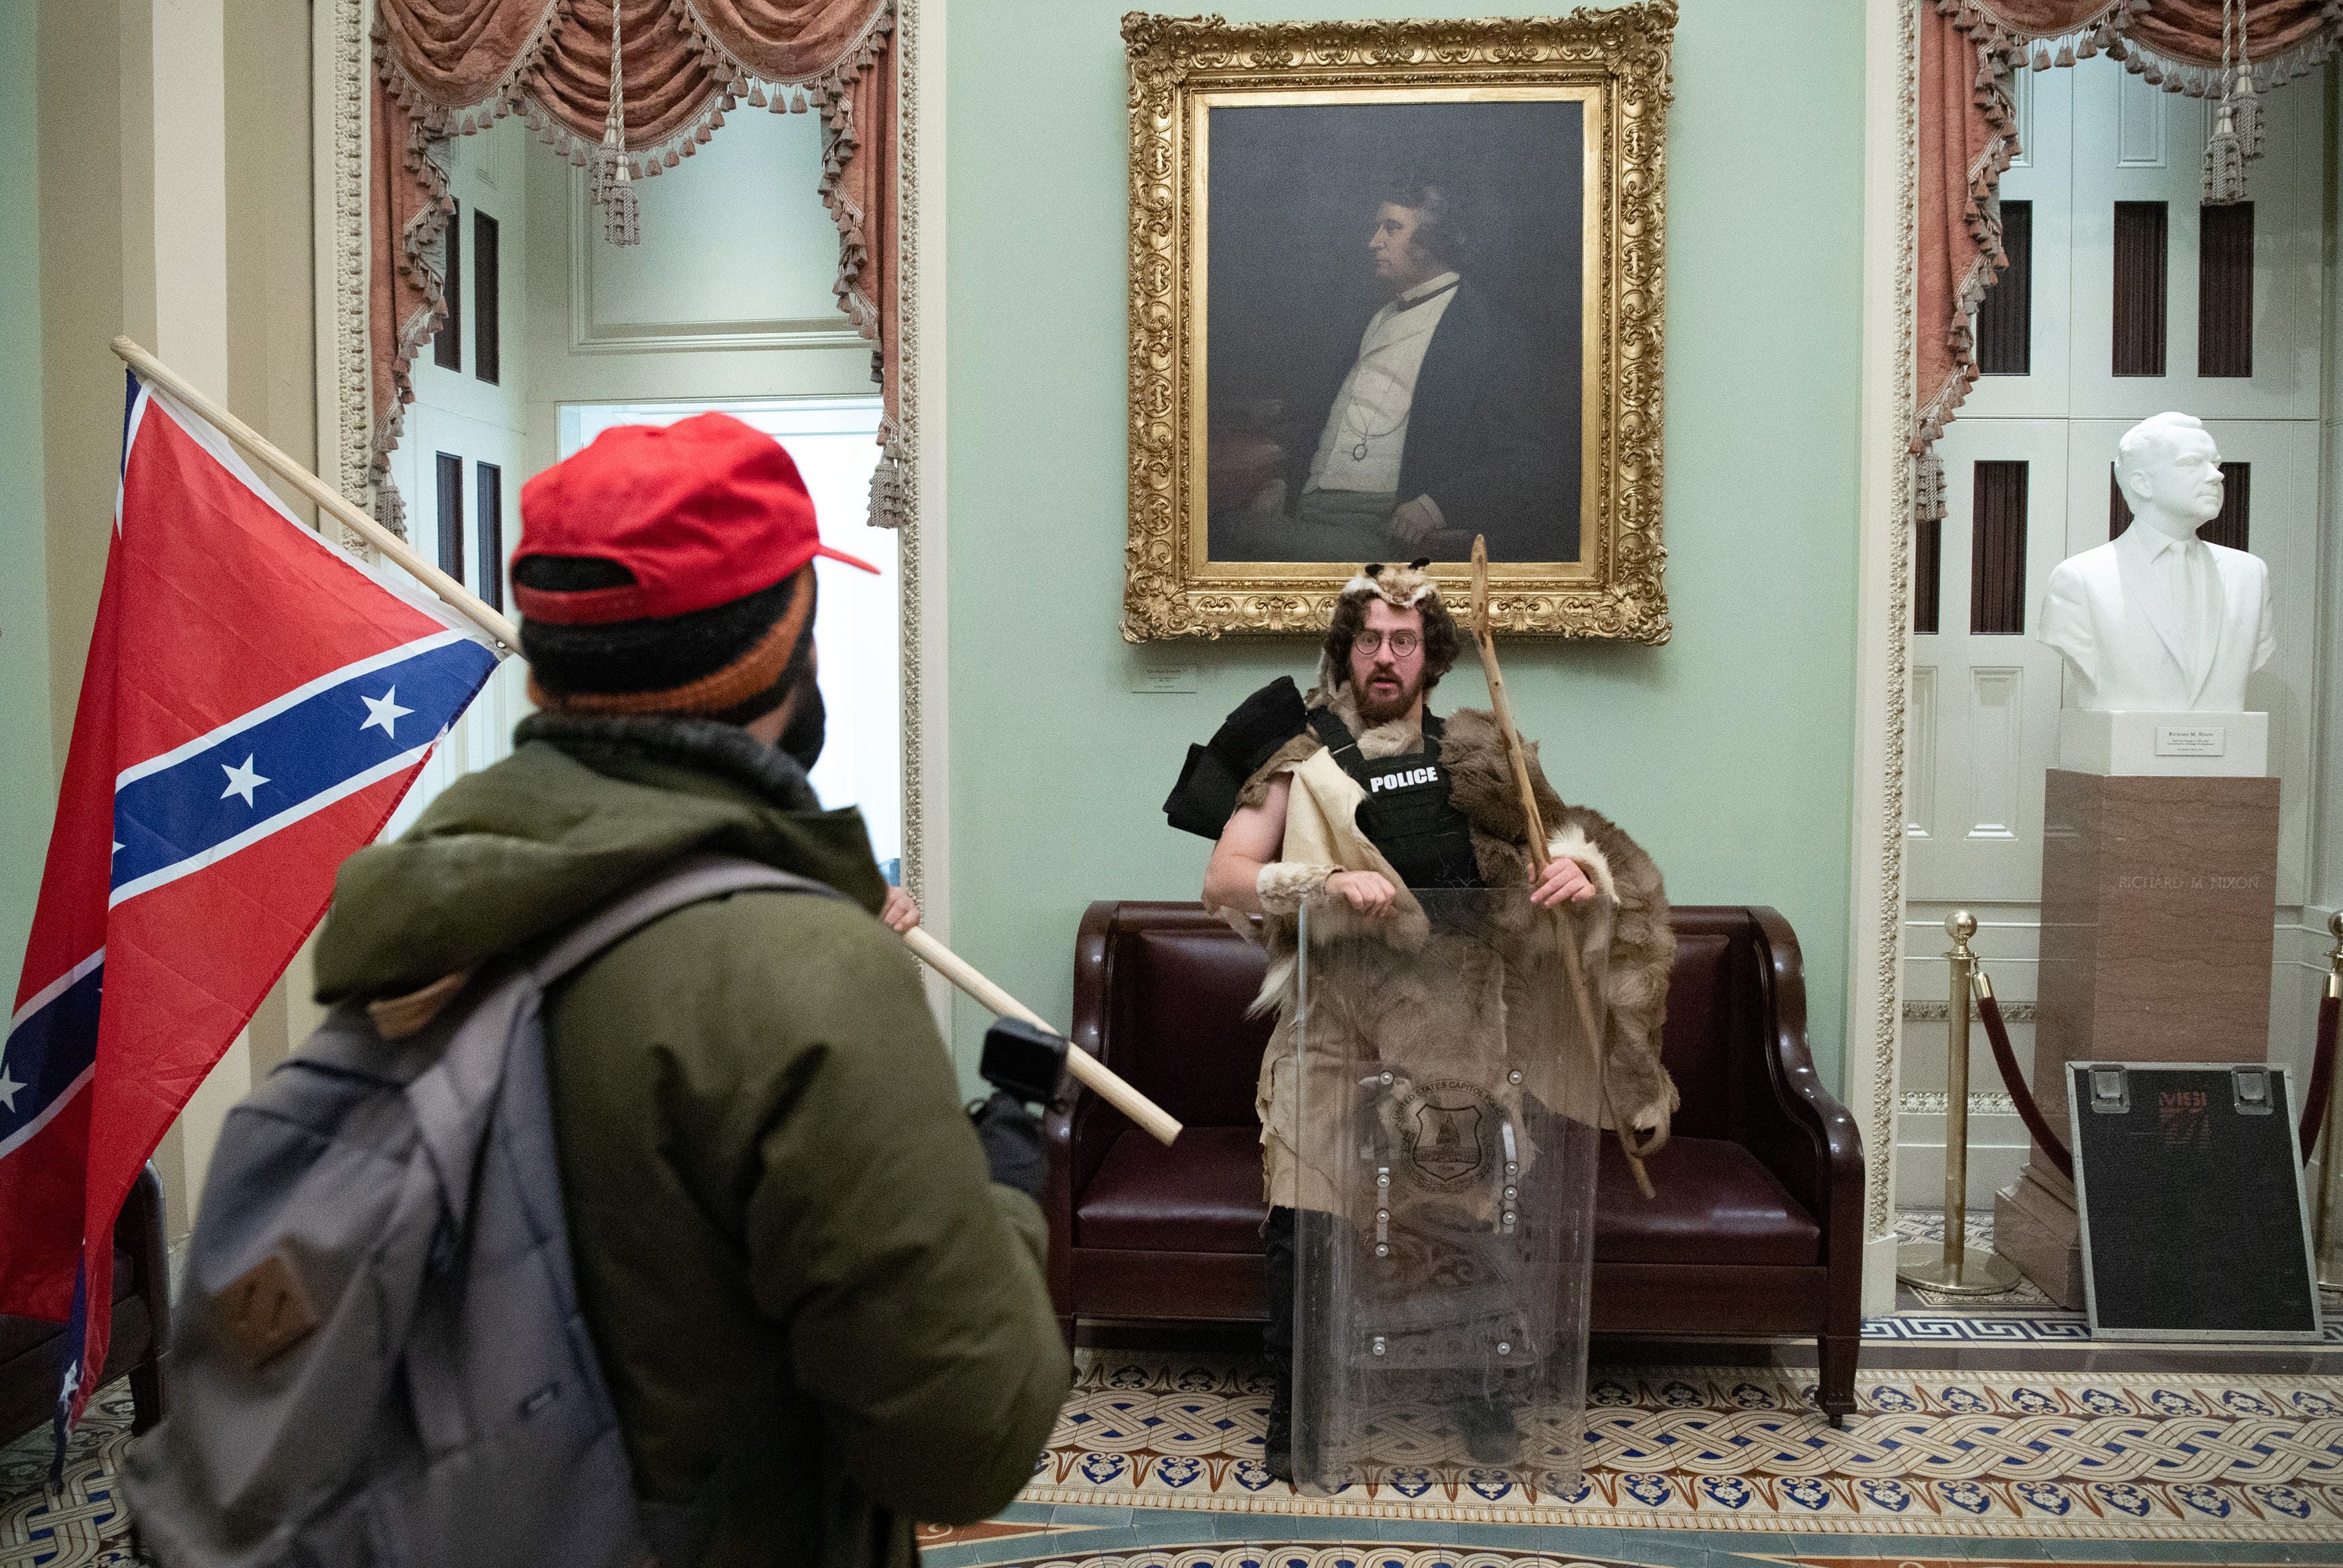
(254, 704)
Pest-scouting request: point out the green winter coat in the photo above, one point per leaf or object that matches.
(787, 1246)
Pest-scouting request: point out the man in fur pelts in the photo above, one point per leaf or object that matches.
(1343, 802)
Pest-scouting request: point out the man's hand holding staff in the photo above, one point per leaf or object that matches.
(1487, 642)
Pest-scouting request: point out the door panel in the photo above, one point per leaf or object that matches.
(1993, 699)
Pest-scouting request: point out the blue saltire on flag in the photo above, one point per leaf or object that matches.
(254, 704)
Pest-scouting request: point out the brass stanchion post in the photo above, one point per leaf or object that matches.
(1952, 1270)
(2329, 1277)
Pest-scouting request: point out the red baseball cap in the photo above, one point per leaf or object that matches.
(699, 513)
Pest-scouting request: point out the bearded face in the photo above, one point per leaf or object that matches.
(1387, 662)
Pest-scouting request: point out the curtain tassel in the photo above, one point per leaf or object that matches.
(611, 181)
(2246, 109)
(2225, 163)
(2237, 133)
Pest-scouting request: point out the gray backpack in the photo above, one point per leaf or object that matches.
(379, 1356)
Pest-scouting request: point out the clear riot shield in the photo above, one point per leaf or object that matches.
(1448, 1108)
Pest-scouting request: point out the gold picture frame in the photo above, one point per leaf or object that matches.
(1613, 65)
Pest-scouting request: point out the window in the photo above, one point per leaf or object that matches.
(1997, 551)
(447, 347)
(451, 515)
(1928, 574)
(488, 555)
(487, 350)
(2004, 322)
(2225, 290)
(2139, 301)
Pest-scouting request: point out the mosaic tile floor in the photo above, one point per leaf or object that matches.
(2023, 1315)
(2232, 1457)
(1689, 1468)
(84, 1525)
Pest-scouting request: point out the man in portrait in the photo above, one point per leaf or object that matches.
(1440, 428)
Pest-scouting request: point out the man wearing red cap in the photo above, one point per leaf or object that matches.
(819, 1321)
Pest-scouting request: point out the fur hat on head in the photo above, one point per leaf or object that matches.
(1401, 587)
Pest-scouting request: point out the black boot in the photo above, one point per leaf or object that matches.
(1277, 1442)
(1277, 1343)
(1491, 1433)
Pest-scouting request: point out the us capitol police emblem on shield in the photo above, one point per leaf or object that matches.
(1452, 1136)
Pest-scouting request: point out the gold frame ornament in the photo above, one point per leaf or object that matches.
(1614, 61)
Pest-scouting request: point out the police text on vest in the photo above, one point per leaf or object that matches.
(1408, 779)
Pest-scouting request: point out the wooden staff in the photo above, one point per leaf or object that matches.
(1486, 639)
(1093, 1072)
(463, 600)
(1094, 1075)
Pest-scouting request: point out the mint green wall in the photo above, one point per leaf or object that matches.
(1726, 752)
(27, 782)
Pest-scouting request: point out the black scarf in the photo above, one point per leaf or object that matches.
(725, 749)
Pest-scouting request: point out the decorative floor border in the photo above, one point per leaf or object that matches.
(2027, 1328)
(2104, 1455)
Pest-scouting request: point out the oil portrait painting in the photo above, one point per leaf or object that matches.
(1395, 286)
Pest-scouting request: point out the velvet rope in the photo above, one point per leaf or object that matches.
(447, 69)
(2322, 1077)
(1997, 1034)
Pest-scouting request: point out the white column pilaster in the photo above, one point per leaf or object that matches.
(185, 85)
(1874, 988)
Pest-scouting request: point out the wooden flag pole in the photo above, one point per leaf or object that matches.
(1093, 1072)
(471, 606)
(1486, 639)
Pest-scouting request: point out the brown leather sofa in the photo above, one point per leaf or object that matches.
(1755, 1231)
(33, 1352)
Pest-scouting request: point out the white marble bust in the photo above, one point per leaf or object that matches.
(2157, 620)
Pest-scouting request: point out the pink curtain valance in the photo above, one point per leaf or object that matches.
(1969, 50)
(446, 68)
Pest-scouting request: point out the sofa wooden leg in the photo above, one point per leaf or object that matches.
(1066, 1328)
(1837, 1354)
(146, 1394)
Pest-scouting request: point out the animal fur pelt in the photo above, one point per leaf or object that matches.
(1637, 942)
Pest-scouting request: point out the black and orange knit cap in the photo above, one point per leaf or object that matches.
(669, 570)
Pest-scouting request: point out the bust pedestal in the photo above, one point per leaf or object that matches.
(2158, 896)
(2182, 745)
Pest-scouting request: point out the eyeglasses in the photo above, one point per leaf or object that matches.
(1402, 643)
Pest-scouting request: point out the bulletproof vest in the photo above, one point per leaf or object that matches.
(1407, 814)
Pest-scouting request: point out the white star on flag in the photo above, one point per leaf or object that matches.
(9, 1088)
(382, 712)
(242, 780)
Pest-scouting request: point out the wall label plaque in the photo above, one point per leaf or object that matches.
(2191, 740)
(2189, 1188)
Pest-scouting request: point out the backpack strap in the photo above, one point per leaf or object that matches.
(691, 881)
(677, 1534)
(451, 1098)
(1336, 736)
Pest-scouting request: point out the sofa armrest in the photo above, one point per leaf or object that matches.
(1787, 1116)
(1091, 1124)
(1081, 1127)
(139, 1232)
